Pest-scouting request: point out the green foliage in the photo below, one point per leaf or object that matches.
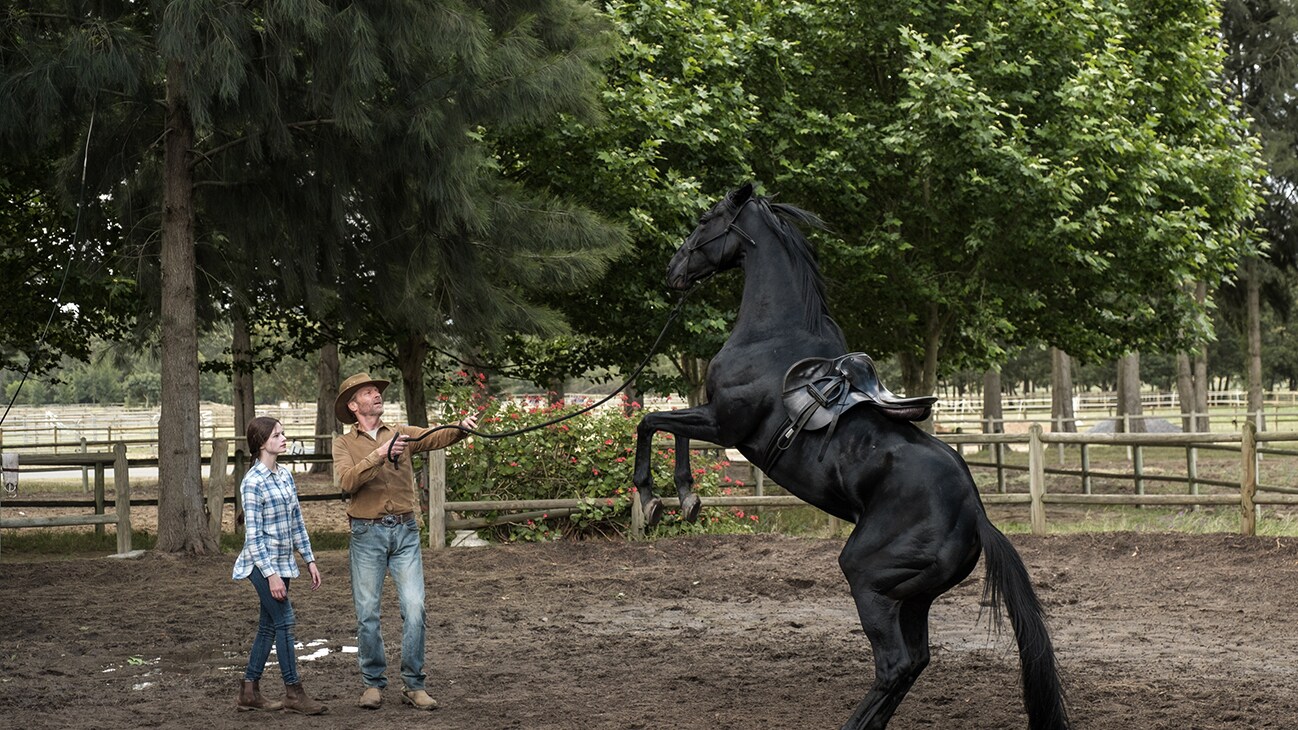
(996, 173)
(674, 134)
(1018, 172)
(588, 457)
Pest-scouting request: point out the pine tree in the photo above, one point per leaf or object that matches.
(308, 152)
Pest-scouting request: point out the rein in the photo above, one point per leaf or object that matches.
(653, 349)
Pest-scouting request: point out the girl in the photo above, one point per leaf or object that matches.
(273, 529)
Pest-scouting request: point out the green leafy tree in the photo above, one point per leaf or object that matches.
(673, 137)
(1262, 72)
(58, 300)
(1007, 173)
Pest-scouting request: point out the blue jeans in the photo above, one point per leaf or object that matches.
(375, 551)
(275, 629)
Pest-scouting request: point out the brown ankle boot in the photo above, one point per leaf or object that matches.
(250, 698)
(295, 700)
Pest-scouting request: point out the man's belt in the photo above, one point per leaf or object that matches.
(388, 520)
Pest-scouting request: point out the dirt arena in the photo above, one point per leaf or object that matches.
(1152, 631)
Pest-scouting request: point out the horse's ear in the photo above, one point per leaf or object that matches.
(741, 196)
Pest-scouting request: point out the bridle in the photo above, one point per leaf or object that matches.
(724, 235)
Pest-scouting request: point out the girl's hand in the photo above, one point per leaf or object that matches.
(278, 590)
(315, 575)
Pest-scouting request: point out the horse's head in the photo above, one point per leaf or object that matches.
(716, 244)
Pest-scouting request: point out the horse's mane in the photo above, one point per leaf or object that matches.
(785, 220)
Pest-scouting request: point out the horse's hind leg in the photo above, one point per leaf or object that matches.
(895, 669)
(897, 627)
(684, 478)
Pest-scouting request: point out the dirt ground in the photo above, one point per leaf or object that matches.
(1152, 631)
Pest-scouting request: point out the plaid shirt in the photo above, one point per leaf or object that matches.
(273, 524)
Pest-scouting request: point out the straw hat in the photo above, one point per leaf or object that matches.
(348, 389)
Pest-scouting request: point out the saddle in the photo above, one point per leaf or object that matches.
(818, 390)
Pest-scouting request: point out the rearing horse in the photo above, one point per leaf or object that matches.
(919, 522)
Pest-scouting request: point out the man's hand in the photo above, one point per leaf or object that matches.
(470, 421)
(398, 447)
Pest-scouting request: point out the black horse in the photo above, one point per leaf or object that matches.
(919, 522)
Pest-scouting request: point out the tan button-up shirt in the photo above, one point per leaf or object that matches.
(361, 469)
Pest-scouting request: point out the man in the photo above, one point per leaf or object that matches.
(384, 531)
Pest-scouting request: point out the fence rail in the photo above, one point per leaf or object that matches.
(1248, 443)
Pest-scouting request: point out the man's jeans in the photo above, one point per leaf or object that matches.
(276, 628)
(377, 549)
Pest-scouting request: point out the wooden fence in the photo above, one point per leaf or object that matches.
(444, 515)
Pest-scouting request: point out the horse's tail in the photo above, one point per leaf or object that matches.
(1008, 583)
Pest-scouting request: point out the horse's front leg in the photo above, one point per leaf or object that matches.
(690, 423)
(684, 478)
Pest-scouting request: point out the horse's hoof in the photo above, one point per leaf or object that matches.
(690, 506)
(653, 512)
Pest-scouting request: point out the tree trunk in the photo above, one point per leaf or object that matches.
(1185, 390)
(182, 519)
(912, 373)
(993, 416)
(556, 390)
(327, 390)
(695, 372)
(1061, 391)
(1201, 391)
(1253, 272)
(1129, 395)
(245, 406)
(412, 353)
(631, 394)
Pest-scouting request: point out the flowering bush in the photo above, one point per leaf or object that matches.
(589, 456)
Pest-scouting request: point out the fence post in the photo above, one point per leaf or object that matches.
(99, 494)
(1037, 479)
(637, 515)
(240, 468)
(122, 495)
(999, 449)
(1086, 468)
(1192, 469)
(85, 471)
(435, 470)
(1248, 479)
(216, 486)
(1138, 467)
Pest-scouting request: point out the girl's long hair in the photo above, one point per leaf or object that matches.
(259, 431)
